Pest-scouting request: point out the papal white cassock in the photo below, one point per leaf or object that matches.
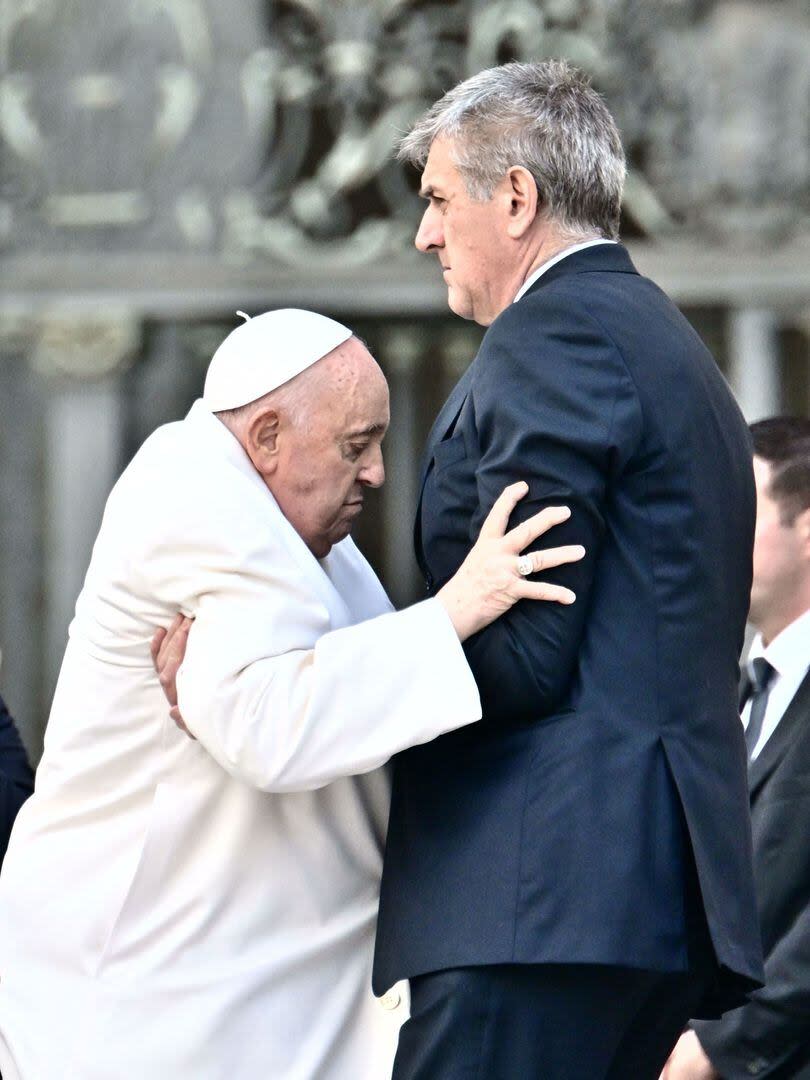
(181, 910)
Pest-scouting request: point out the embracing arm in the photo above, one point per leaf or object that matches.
(285, 715)
(303, 717)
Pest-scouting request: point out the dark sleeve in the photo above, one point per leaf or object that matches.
(554, 406)
(775, 1024)
(16, 778)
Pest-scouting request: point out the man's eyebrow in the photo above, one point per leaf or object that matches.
(426, 191)
(359, 433)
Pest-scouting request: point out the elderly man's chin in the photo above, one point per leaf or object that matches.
(343, 527)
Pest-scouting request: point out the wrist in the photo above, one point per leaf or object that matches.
(456, 610)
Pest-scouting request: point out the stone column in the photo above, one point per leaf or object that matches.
(754, 361)
(82, 359)
(402, 353)
(21, 676)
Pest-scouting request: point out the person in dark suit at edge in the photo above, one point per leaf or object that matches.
(16, 777)
(568, 883)
(770, 1036)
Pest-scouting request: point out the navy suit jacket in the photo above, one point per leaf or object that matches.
(770, 1036)
(16, 778)
(562, 828)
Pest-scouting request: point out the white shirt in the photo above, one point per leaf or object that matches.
(530, 280)
(789, 655)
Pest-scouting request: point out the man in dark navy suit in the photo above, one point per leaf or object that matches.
(769, 1037)
(568, 881)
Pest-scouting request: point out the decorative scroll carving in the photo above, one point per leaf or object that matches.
(112, 133)
(352, 75)
(265, 128)
(714, 98)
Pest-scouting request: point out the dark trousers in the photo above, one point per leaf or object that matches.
(544, 1022)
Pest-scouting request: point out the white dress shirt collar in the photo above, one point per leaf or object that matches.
(789, 655)
(789, 651)
(530, 280)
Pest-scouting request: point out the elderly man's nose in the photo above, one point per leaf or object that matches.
(373, 474)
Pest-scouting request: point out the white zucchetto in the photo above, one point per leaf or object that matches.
(267, 351)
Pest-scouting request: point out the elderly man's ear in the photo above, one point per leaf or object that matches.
(261, 441)
(524, 202)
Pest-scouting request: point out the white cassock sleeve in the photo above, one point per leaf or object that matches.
(285, 703)
(304, 718)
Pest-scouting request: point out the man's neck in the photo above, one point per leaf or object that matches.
(552, 244)
(771, 628)
(545, 244)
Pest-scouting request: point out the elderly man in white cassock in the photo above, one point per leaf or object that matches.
(196, 909)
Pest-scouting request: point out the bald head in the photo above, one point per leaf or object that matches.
(316, 441)
(340, 377)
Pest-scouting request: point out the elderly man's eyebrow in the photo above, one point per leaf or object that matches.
(359, 433)
(426, 191)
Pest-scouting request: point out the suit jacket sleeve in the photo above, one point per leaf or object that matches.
(774, 1024)
(16, 778)
(554, 406)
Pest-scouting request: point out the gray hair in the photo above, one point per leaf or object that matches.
(545, 117)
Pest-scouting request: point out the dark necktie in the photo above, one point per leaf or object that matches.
(762, 674)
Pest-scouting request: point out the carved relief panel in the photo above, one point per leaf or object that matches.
(267, 128)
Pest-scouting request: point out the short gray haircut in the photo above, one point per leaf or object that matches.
(545, 117)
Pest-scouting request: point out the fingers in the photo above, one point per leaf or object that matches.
(542, 590)
(551, 557)
(173, 648)
(522, 535)
(498, 518)
(170, 656)
(174, 713)
(157, 641)
(162, 635)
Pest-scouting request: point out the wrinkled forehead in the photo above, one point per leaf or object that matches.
(350, 389)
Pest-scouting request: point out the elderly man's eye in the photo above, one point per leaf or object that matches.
(354, 450)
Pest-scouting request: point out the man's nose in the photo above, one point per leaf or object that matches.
(373, 474)
(429, 234)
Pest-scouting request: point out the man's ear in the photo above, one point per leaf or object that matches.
(524, 200)
(261, 441)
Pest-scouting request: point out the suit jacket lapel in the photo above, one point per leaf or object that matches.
(448, 414)
(797, 712)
